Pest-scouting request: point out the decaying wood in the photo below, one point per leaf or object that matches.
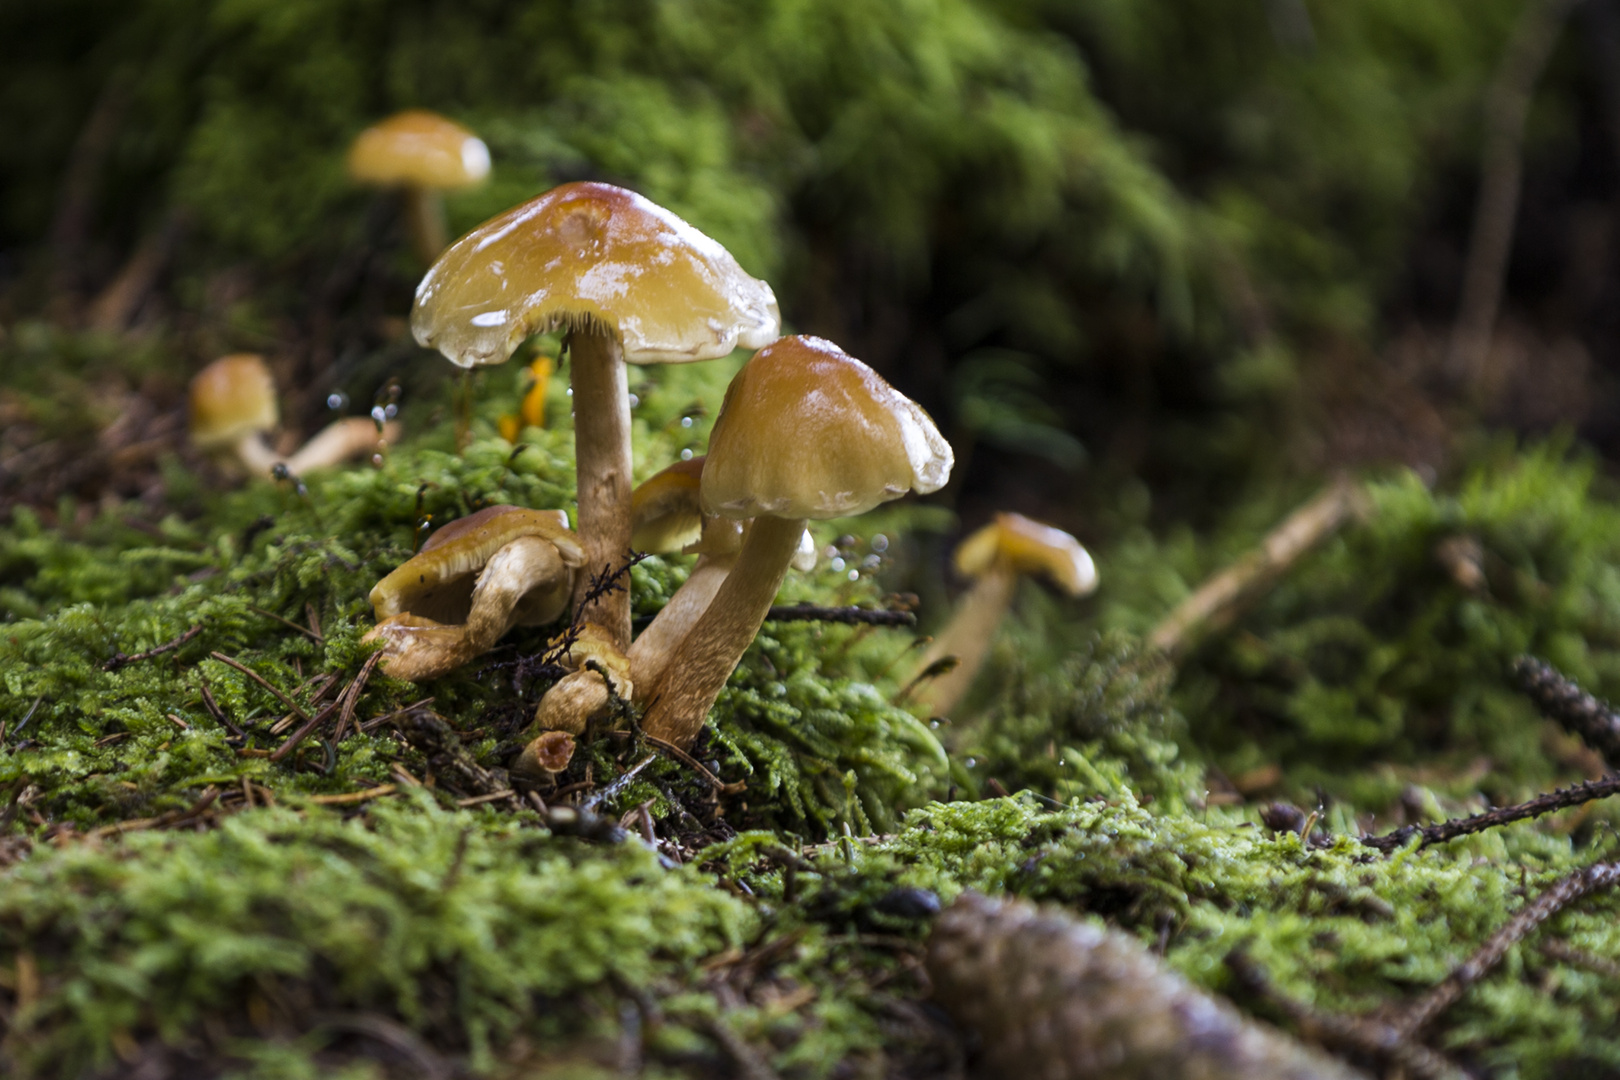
(1219, 600)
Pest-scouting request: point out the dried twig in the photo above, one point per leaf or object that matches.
(1219, 600)
(173, 817)
(849, 616)
(313, 635)
(1561, 698)
(262, 681)
(1491, 241)
(352, 797)
(619, 783)
(1381, 1042)
(1567, 890)
(691, 762)
(119, 659)
(1562, 799)
(214, 710)
(351, 696)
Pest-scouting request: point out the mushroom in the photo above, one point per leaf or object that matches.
(233, 407)
(631, 282)
(473, 580)
(423, 154)
(668, 517)
(806, 431)
(995, 556)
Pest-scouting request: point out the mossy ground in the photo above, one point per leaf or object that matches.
(256, 929)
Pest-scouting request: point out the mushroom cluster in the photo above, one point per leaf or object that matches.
(806, 432)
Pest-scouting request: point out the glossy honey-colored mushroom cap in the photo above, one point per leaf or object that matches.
(1028, 547)
(586, 256)
(232, 398)
(419, 148)
(808, 431)
(437, 581)
(664, 512)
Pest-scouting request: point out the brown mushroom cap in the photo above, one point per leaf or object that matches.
(589, 255)
(664, 512)
(437, 582)
(420, 148)
(1028, 547)
(808, 431)
(232, 398)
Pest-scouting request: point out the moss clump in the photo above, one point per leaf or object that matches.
(467, 929)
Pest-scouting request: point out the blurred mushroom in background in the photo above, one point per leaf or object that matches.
(423, 154)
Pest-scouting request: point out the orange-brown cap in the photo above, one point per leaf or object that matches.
(420, 148)
(437, 581)
(808, 431)
(1028, 547)
(233, 397)
(664, 512)
(588, 255)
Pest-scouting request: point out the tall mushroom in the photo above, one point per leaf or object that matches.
(422, 154)
(632, 283)
(806, 431)
(995, 557)
(473, 580)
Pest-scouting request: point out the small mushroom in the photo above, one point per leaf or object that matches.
(474, 580)
(806, 431)
(632, 283)
(233, 408)
(995, 557)
(422, 154)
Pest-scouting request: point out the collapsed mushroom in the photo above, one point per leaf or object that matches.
(233, 408)
(806, 431)
(474, 580)
(995, 556)
(632, 283)
(422, 154)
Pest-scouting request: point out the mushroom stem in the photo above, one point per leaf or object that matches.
(339, 441)
(681, 700)
(602, 467)
(256, 454)
(968, 636)
(651, 650)
(424, 217)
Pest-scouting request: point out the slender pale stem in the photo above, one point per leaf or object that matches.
(701, 664)
(424, 217)
(602, 466)
(651, 650)
(967, 637)
(257, 455)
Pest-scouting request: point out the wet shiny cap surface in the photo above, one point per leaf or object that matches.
(808, 431)
(233, 397)
(1029, 547)
(591, 256)
(419, 147)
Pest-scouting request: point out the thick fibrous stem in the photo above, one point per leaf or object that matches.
(602, 465)
(651, 650)
(967, 637)
(424, 217)
(682, 697)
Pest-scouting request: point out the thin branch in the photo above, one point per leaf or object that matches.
(262, 681)
(849, 616)
(351, 696)
(1383, 1043)
(1562, 799)
(1561, 698)
(1220, 599)
(313, 635)
(691, 762)
(1567, 890)
(118, 659)
(1501, 172)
